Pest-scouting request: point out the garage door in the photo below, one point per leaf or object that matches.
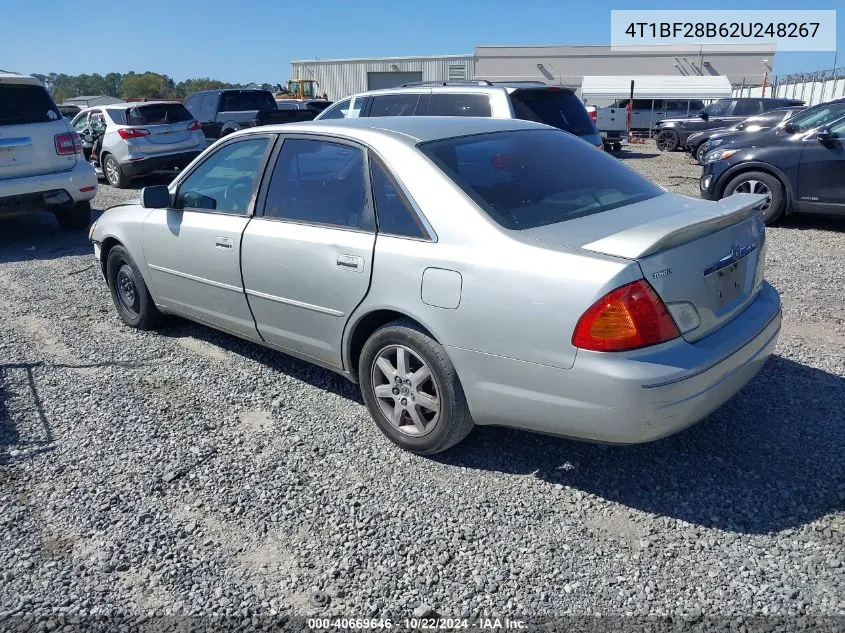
(376, 81)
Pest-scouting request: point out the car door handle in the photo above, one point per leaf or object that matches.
(223, 243)
(351, 262)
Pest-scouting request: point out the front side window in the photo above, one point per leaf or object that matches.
(225, 181)
(529, 178)
(447, 104)
(247, 100)
(394, 105)
(81, 122)
(319, 182)
(393, 212)
(815, 117)
(337, 110)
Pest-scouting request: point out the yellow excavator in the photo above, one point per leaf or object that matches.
(298, 89)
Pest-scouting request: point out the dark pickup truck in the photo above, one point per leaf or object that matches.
(222, 112)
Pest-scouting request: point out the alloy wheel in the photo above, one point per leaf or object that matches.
(111, 171)
(406, 390)
(755, 186)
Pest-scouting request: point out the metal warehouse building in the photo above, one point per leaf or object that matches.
(741, 64)
(341, 77)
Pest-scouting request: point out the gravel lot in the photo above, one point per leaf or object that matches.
(188, 472)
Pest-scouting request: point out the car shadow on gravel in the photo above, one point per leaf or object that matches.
(806, 222)
(626, 154)
(277, 361)
(769, 460)
(37, 437)
(39, 237)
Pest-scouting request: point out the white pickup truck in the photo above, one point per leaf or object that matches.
(611, 123)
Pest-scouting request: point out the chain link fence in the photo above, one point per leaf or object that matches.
(813, 87)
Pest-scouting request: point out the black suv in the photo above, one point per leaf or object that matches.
(671, 134)
(799, 165)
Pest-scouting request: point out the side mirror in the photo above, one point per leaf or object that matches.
(824, 136)
(703, 115)
(156, 197)
(789, 128)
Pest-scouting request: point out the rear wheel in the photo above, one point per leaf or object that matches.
(113, 172)
(667, 140)
(76, 218)
(129, 292)
(765, 184)
(412, 390)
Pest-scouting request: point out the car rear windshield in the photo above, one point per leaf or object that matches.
(157, 114)
(558, 108)
(248, 100)
(26, 103)
(529, 178)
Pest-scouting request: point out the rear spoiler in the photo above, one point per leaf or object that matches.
(652, 237)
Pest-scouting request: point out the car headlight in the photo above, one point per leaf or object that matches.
(717, 155)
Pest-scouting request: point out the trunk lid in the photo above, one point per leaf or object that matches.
(695, 254)
(167, 124)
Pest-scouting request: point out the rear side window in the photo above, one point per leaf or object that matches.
(394, 105)
(558, 108)
(247, 100)
(395, 216)
(157, 114)
(529, 178)
(747, 108)
(319, 182)
(26, 103)
(445, 104)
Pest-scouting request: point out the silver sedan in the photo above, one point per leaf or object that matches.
(463, 271)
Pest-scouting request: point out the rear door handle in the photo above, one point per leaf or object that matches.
(350, 262)
(223, 243)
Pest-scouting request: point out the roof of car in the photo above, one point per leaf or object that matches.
(125, 104)
(414, 129)
(470, 87)
(10, 76)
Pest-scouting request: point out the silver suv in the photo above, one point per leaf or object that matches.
(140, 138)
(41, 164)
(557, 106)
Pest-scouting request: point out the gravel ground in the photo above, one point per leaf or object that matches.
(188, 472)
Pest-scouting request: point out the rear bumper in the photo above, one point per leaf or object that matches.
(624, 398)
(148, 164)
(48, 191)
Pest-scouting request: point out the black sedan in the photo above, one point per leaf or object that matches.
(699, 143)
(799, 166)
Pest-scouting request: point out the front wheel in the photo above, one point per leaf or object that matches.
(765, 184)
(77, 218)
(129, 293)
(412, 390)
(667, 140)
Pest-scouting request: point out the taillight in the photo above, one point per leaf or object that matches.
(594, 115)
(68, 143)
(132, 132)
(195, 125)
(629, 317)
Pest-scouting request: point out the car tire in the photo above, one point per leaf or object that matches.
(129, 292)
(761, 182)
(667, 140)
(76, 218)
(113, 173)
(699, 154)
(423, 415)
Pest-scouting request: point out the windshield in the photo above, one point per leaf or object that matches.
(26, 103)
(717, 108)
(529, 178)
(815, 117)
(558, 108)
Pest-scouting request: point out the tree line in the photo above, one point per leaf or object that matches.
(131, 85)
